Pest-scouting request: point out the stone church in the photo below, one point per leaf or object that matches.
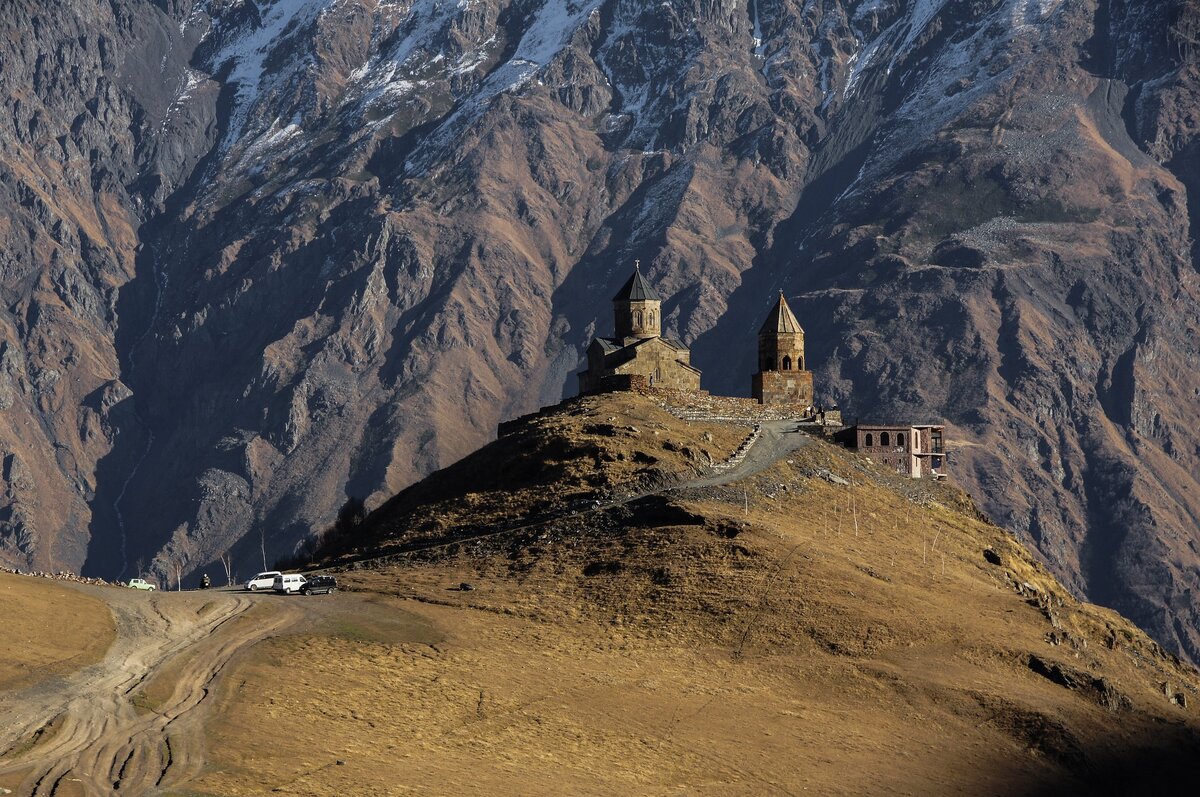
(638, 355)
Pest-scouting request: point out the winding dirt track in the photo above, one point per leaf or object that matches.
(776, 440)
(84, 734)
(91, 737)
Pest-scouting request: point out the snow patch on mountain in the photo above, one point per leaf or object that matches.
(960, 73)
(1030, 13)
(548, 32)
(760, 49)
(900, 35)
(551, 29)
(247, 54)
(920, 15)
(272, 141)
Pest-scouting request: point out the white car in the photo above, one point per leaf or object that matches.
(288, 583)
(264, 580)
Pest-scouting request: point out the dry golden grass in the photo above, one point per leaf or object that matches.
(586, 447)
(779, 635)
(48, 629)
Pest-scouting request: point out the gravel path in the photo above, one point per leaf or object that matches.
(776, 440)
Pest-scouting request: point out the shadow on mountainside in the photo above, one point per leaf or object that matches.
(1165, 769)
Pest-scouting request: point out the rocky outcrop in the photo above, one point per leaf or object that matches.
(266, 254)
(85, 125)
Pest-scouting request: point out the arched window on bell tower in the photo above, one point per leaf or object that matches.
(781, 340)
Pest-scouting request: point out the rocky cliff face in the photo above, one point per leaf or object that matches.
(260, 255)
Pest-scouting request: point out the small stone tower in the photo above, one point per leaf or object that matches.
(781, 377)
(637, 308)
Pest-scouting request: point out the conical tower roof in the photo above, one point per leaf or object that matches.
(780, 319)
(636, 289)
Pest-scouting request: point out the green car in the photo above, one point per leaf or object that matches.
(140, 583)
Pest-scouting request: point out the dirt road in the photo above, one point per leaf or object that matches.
(130, 723)
(95, 732)
(776, 439)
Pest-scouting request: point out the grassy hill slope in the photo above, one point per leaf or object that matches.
(48, 630)
(820, 625)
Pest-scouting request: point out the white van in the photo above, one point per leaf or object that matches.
(264, 580)
(286, 583)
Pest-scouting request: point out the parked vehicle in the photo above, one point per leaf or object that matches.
(318, 585)
(264, 580)
(141, 583)
(288, 583)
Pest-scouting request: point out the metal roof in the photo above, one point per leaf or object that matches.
(637, 290)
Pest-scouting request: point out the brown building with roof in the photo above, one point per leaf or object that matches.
(781, 377)
(916, 450)
(638, 354)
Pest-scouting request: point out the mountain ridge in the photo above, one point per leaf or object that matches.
(332, 281)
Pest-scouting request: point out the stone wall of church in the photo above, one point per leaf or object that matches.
(783, 387)
(660, 366)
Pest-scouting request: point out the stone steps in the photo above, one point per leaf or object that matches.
(740, 454)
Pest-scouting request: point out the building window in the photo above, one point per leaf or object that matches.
(937, 462)
(787, 363)
(637, 318)
(884, 439)
(870, 440)
(900, 439)
(651, 317)
(936, 441)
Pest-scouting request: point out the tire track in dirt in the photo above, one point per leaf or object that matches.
(103, 742)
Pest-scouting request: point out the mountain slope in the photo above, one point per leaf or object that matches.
(278, 252)
(821, 624)
(642, 618)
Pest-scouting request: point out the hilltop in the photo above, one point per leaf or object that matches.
(642, 622)
(664, 599)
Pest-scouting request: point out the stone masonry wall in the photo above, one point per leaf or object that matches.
(773, 387)
(664, 359)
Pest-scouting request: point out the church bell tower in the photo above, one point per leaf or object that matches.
(781, 377)
(637, 308)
